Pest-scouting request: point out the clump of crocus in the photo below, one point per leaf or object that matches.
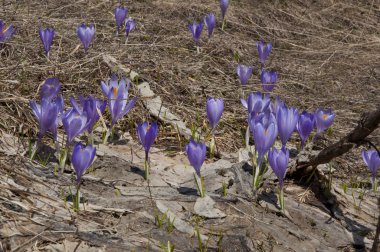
(224, 6)
(120, 15)
(278, 160)
(196, 153)
(117, 93)
(214, 108)
(147, 134)
(244, 72)
(305, 126)
(268, 80)
(81, 159)
(47, 37)
(86, 34)
(372, 159)
(324, 118)
(287, 119)
(48, 113)
(264, 51)
(209, 21)
(264, 130)
(129, 26)
(196, 30)
(6, 32)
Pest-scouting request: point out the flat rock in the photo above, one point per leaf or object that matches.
(205, 207)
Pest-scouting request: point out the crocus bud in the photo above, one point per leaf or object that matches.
(86, 34)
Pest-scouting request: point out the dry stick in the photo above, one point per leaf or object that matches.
(366, 125)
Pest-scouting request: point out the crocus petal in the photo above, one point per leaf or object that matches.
(224, 6)
(244, 73)
(264, 51)
(278, 161)
(81, 159)
(323, 119)
(150, 136)
(86, 34)
(46, 37)
(209, 21)
(268, 80)
(196, 153)
(120, 15)
(286, 120)
(50, 88)
(305, 126)
(214, 108)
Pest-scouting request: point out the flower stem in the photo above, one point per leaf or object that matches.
(77, 199)
(223, 23)
(256, 171)
(374, 185)
(105, 139)
(198, 51)
(91, 138)
(200, 185)
(281, 199)
(146, 166)
(212, 146)
(62, 159)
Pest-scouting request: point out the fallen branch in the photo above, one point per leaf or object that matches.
(366, 125)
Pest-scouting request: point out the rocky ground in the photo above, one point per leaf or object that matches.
(326, 53)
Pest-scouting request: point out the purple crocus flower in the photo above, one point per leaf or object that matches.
(264, 135)
(147, 134)
(90, 106)
(224, 6)
(305, 126)
(324, 118)
(210, 23)
(196, 30)
(287, 119)
(50, 88)
(278, 161)
(47, 37)
(129, 26)
(6, 32)
(265, 118)
(268, 80)
(86, 34)
(47, 114)
(81, 158)
(256, 102)
(275, 107)
(120, 15)
(117, 93)
(214, 108)
(75, 122)
(244, 73)
(196, 153)
(372, 159)
(264, 51)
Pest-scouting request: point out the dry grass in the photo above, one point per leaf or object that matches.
(326, 53)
